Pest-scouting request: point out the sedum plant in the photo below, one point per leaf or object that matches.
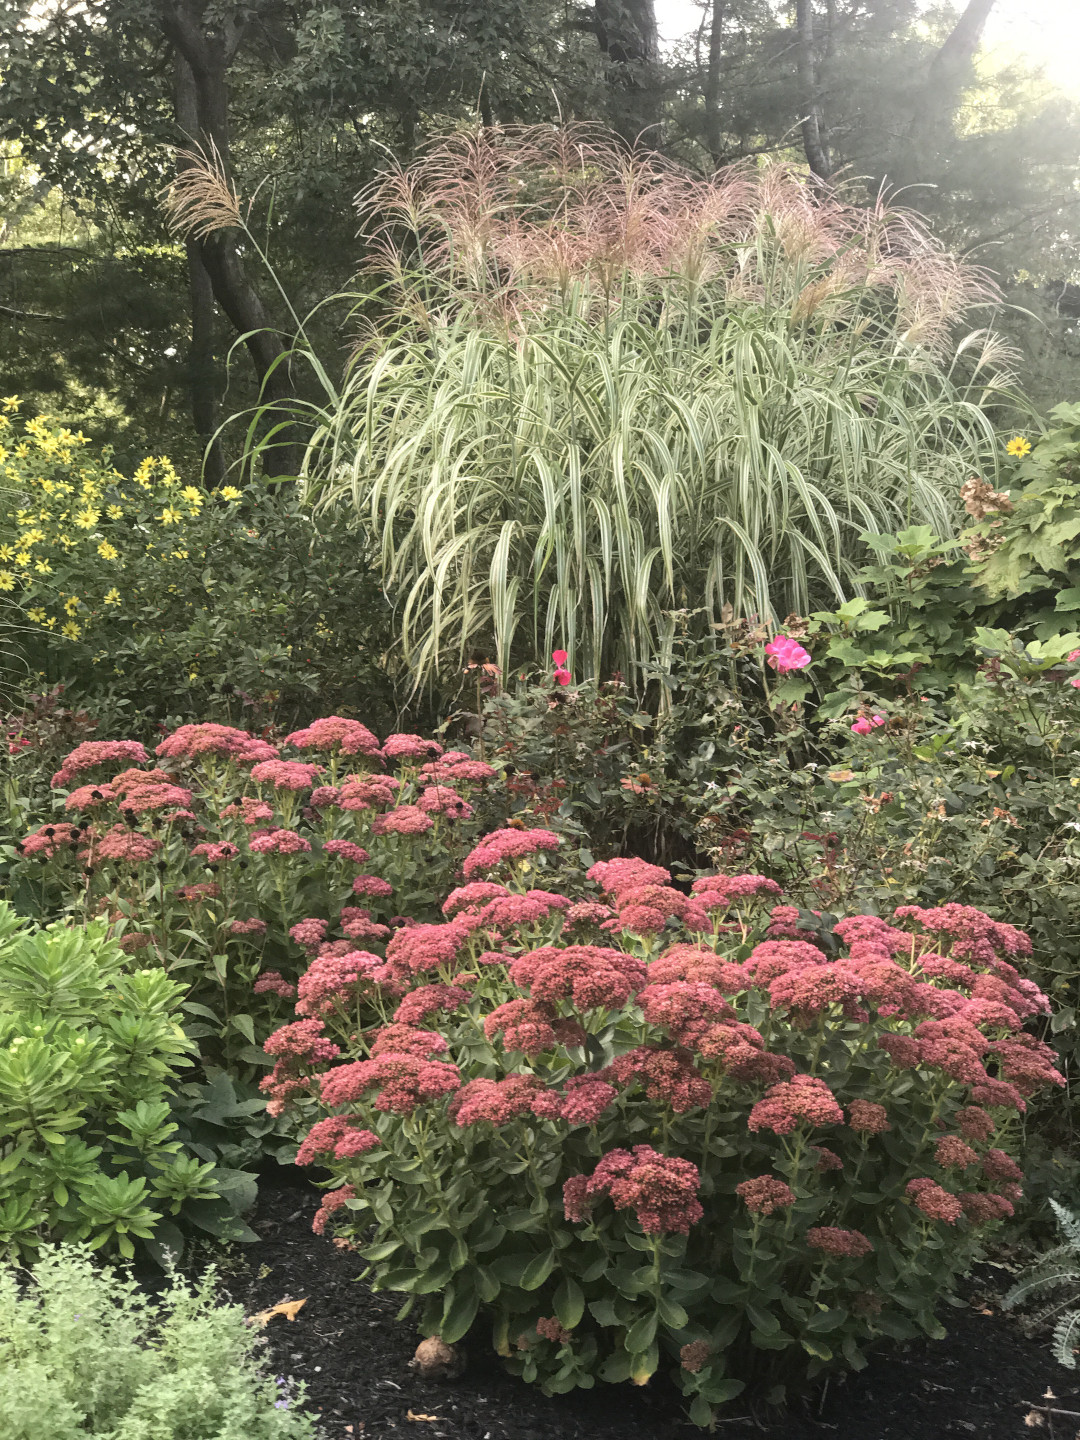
(637, 1128)
(597, 389)
(1058, 1270)
(84, 1353)
(89, 1053)
(227, 860)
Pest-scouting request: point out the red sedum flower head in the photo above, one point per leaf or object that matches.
(502, 845)
(410, 747)
(588, 974)
(499, 1101)
(802, 1098)
(932, 1200)
(403, 1081)
(92, 753)
(338, 1137)
(952, 1153)
(661, 1190)
(291, 775)
(867, 1118)
(335, 734)
(404, 820)
(665, 1075)
(837, 1243)
(280, 842)
(764, 1194)
(194, 742)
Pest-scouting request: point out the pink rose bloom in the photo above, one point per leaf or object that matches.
(865, 724)
(785, 654)
(1072, 655)
(1075, 682)
(562, 677)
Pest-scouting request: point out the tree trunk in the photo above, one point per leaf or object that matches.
(950, 65)
(206, 54)
(201, 369)
(713, 135)
(929, 128)
(816, 155)
(630, 42)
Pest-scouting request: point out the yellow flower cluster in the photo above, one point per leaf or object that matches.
(71, 525)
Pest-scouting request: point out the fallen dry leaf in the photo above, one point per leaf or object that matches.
(289, 1308)
(409, 1415)
(841, 774)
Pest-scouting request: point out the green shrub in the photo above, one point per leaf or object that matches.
(179, 600)
(83, 1353)
(89, 1053)
(1023, 543)
(640, 1128)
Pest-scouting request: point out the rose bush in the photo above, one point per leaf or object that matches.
(637, 1126)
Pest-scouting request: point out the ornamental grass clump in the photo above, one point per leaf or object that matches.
(599, 390)
(635, 1128)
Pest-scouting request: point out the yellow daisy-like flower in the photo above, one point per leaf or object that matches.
(1018, 447)
(170, 516)
(230, 492)
(71, 604)
(179, 554)
(86, 519)
(22, 450)
(37, 614)
(43, 567)
(193, 496)
(7, 580)
(48, 486)
(50, 623)
(34, 536)
(10, 402)
(3, 454)
(112, 597)
(143, 473)
(6, 552)
(114, 512)
(107, 551)
(71, 630)
(22, 559)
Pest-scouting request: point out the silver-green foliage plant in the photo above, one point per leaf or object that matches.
(1058, 1271)
(83, 1353)
(89, 1053)
(602, 389)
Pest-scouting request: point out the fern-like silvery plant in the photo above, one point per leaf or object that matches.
(1058, 1270)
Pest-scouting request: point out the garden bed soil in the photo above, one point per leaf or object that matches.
(354, 1357)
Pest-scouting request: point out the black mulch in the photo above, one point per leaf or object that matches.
(354, 1357)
